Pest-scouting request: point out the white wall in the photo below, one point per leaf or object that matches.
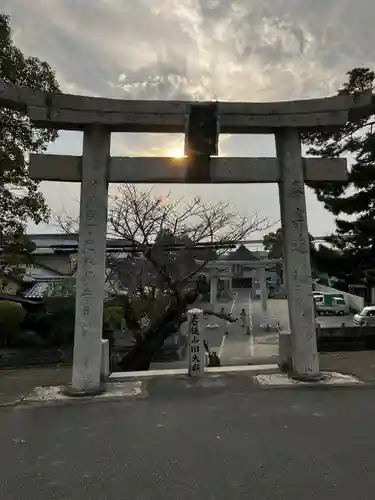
(355, 302)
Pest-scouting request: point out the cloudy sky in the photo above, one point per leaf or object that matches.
(256, 50)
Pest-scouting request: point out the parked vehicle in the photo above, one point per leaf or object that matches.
(318, 298)
(366, 317)
(331, 303)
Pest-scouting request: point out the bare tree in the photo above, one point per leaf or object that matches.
(168, 239)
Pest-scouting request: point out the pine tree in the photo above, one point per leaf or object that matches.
(352, 258)
(273, 244)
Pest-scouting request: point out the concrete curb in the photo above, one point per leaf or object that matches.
(333, 380)
(55, 395)
(182, 372)
(11, 404)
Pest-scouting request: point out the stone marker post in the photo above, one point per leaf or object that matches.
(297, 254)
(213, 291)
(196, 346)
(263, 294)
(91, 260)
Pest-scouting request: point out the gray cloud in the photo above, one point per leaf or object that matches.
(246, 49)
(199, 49)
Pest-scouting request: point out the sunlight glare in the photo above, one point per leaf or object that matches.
(176, 153)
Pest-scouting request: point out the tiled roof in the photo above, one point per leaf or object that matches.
(242, 254)
(37, 290)
(40, 286)
(17, 298)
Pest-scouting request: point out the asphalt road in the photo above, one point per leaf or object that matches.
(223, 441)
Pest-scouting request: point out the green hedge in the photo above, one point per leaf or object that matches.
(53, 323)
(11, 318)
(112, 317)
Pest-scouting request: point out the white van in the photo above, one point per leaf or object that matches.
(366, 317)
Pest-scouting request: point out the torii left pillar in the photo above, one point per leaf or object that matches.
(91, 260)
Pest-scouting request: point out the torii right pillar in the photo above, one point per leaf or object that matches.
(297, 255)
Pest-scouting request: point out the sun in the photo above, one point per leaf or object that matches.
(176, 153)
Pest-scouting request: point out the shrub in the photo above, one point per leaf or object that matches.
(11, 318)
(112, 317)
(54, 323)
(28, 338)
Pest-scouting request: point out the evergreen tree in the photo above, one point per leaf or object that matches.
(20, 198)
(273, 244)
(352, 258)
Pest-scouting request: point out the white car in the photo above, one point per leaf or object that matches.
(366, 317)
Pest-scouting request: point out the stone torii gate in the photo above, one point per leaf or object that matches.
(224, 270)
(98, 117)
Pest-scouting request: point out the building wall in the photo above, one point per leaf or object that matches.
(252, 273)
(61, 263)
(355, 302)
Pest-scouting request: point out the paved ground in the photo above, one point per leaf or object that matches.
(279, 308)
(14, 384)
(358, 363)
(238, 348)
(225, 440)
(218, 438)
(263, 344)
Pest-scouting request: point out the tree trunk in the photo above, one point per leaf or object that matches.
(140, 356)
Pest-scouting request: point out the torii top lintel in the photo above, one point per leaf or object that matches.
(74, 112)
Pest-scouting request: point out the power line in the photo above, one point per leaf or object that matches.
(129, 247)
(248, 242)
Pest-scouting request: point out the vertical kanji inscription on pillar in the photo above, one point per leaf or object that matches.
(297, 253)
(91, 259)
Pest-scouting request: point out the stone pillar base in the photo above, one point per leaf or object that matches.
(285, 352)
(71, 392)
(318, 377)
(104, 366)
